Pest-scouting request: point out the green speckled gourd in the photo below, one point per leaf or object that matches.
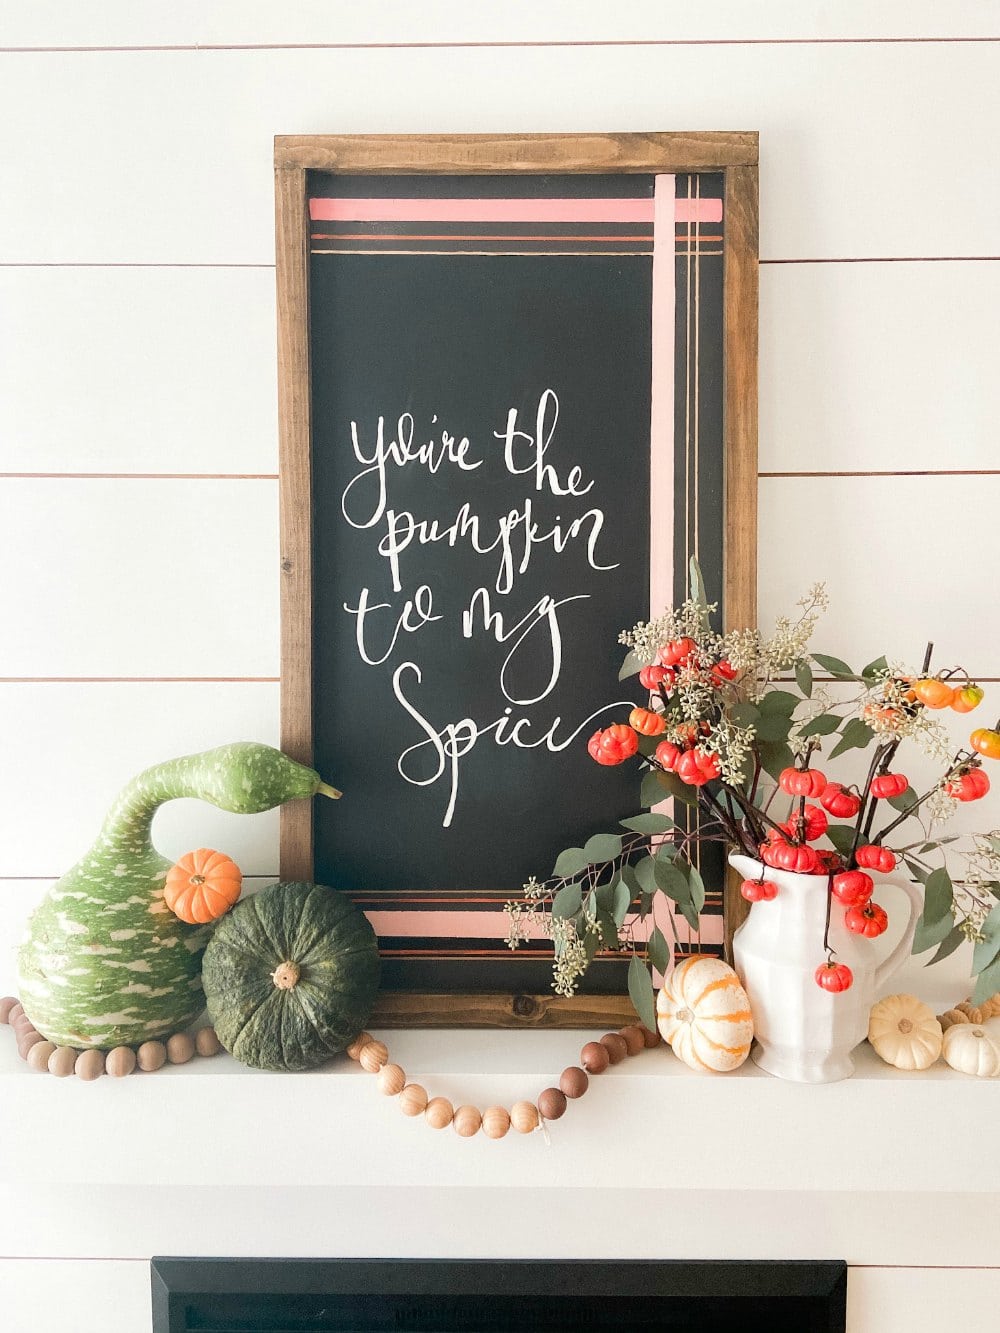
(104, 962)
(290, 976)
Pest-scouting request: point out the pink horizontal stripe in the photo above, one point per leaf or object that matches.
(698, 210)
(507, 210)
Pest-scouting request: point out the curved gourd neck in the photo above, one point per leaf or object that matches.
(128, 826)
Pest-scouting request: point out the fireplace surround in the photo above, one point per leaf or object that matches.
(204, 1295)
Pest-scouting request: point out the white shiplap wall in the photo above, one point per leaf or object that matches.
(139, 607)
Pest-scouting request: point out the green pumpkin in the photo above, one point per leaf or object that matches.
(104, 961)
(290, 976)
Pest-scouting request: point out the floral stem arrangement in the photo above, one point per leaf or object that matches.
(738, 732)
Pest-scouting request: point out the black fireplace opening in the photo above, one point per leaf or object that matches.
(496, 1295)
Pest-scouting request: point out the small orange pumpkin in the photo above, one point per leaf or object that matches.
(202, 886)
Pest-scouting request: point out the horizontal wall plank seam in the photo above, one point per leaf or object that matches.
(140, 680)
(138, 476)
(494, 46)
(856, 259)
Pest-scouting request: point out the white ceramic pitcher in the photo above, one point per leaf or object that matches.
(804, 1033)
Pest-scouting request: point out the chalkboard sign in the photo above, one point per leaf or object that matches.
(507, 400)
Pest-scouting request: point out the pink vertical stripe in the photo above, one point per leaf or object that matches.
(661, 434)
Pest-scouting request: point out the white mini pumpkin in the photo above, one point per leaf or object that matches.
(704, 1013)
(971, 1050)
(905, 1032)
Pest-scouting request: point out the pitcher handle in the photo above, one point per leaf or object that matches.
(901, 952)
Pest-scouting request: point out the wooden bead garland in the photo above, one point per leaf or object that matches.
(88, 1065)
(496, 1121)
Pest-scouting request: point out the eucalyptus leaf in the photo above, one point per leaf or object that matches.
(842, 837)
(874, 669)
(621, 902)
(597, 899)
(649, 823)
(697, 885)
(631, 666)
(927, 936)
(567, 901)
(591, 943)
(645, 905)
(834, 666)
(671, 879)
(989, 946)
(987, 984)
(689, 914)
(947, 946)
(778, 701)
(939, 895)
(608, 929)
(640, 989)
(648, 744)
(602, 847)
(630, 878)
(917, 872)
(744, 716)
(855, 736)
(696, 583)
(804, 678)
(645, 873)
(652, 791)
(570, 863)
(824, 725)
(658, 950)
(774, 757)
(904, 800)
(674, 787)
(773, 728)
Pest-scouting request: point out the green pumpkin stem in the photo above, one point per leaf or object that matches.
(324, 789)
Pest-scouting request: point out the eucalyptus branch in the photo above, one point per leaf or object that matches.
(955, 764)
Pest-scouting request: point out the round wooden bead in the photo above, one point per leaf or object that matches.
(467, 1121)
(573, 1082)
(62, 1061)
(38, 1056)
(552, 1104)
(15, 1011)
(358, 1045)
(633, 1038)
(8, 1003)
(26, 1041)
(650, 1038)
(413, 1099)
(391, 1080)
(151, 1055)
(616, 1046)
(21, 1022)
(595, 1058)
(89, 1065)
(180, 1048)
(206, 1042)
(120, 1062)
(524, 1117)
(496, 1122)
(439, 1113)
(374, 1054)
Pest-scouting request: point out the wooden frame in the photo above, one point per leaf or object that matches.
(735, 156)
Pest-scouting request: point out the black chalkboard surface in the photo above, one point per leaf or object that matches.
(487, 486)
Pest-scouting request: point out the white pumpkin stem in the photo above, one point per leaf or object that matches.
(286, 976)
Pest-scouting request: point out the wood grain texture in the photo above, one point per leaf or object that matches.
(735, 155)
(295, 488)
(500, 1010)
(480, 154)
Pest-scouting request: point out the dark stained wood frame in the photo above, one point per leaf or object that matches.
(735, 155)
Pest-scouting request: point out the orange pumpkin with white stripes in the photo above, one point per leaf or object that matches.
(704, 1013)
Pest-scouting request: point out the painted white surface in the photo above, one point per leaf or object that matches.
(914, 1300)
(139, 578)
(879, 367)
(904, 560)
(165, 156)
(59, 22)
(138, 370)
(109, 1297)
